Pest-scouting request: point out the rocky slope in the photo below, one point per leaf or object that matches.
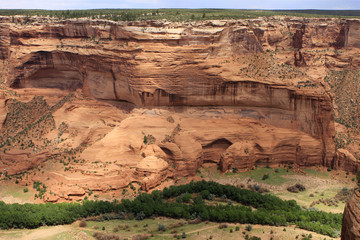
(151, 101)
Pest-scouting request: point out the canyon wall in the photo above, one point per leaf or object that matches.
(237, 93)
(351, 222)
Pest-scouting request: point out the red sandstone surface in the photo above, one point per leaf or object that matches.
(93, 105)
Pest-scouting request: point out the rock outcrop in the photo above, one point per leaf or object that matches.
(346, 161)
(351, 222)
(154, 100)
(151, 171)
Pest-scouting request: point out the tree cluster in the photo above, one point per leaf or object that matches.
(270, 210)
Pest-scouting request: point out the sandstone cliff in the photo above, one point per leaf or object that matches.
(235, 93)
(351, 222)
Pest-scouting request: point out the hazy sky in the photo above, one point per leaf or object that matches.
(239, 4)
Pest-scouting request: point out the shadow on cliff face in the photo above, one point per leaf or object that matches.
(122, 105)
(62, 78)
(50, 70)
(212, 152)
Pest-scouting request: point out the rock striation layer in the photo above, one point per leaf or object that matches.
(154, 100)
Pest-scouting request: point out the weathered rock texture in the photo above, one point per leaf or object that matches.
(346, 161)
(351, 221)
(235, 93)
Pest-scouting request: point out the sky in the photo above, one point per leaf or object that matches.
(235, 4)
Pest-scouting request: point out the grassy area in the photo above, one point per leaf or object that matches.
(11, 235)
(308, 196)
(15, 193)
(315, 173)
(276, 176)
(202, 230)
(70, 235)
(130, 228)
(281, 178)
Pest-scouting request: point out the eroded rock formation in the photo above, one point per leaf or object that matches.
(346, 161)
(351, 222)
(155, 100)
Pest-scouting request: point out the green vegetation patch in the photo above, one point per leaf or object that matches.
(254, 208)
(17, 192)
(315, 173)
(273, 176)
(270, 176)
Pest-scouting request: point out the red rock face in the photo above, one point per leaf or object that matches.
(346, 161)
(242, 92)
(351, 222)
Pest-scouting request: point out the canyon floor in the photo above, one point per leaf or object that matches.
(203, 230)
(318, 181)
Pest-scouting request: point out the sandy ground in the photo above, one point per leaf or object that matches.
(40, 233)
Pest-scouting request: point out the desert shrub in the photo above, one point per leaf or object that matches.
(170, 119)
(161, 227)
(293, 189)
(300, 187)
(82, 224)
(254, 238)
(178, 224)
(140, 216)
(195, 221)
(296, 188)
(358, 176)
(140, 237)
(266, 176)
(256, 187)
(248, 228)
(105, 236)
(222, 226)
